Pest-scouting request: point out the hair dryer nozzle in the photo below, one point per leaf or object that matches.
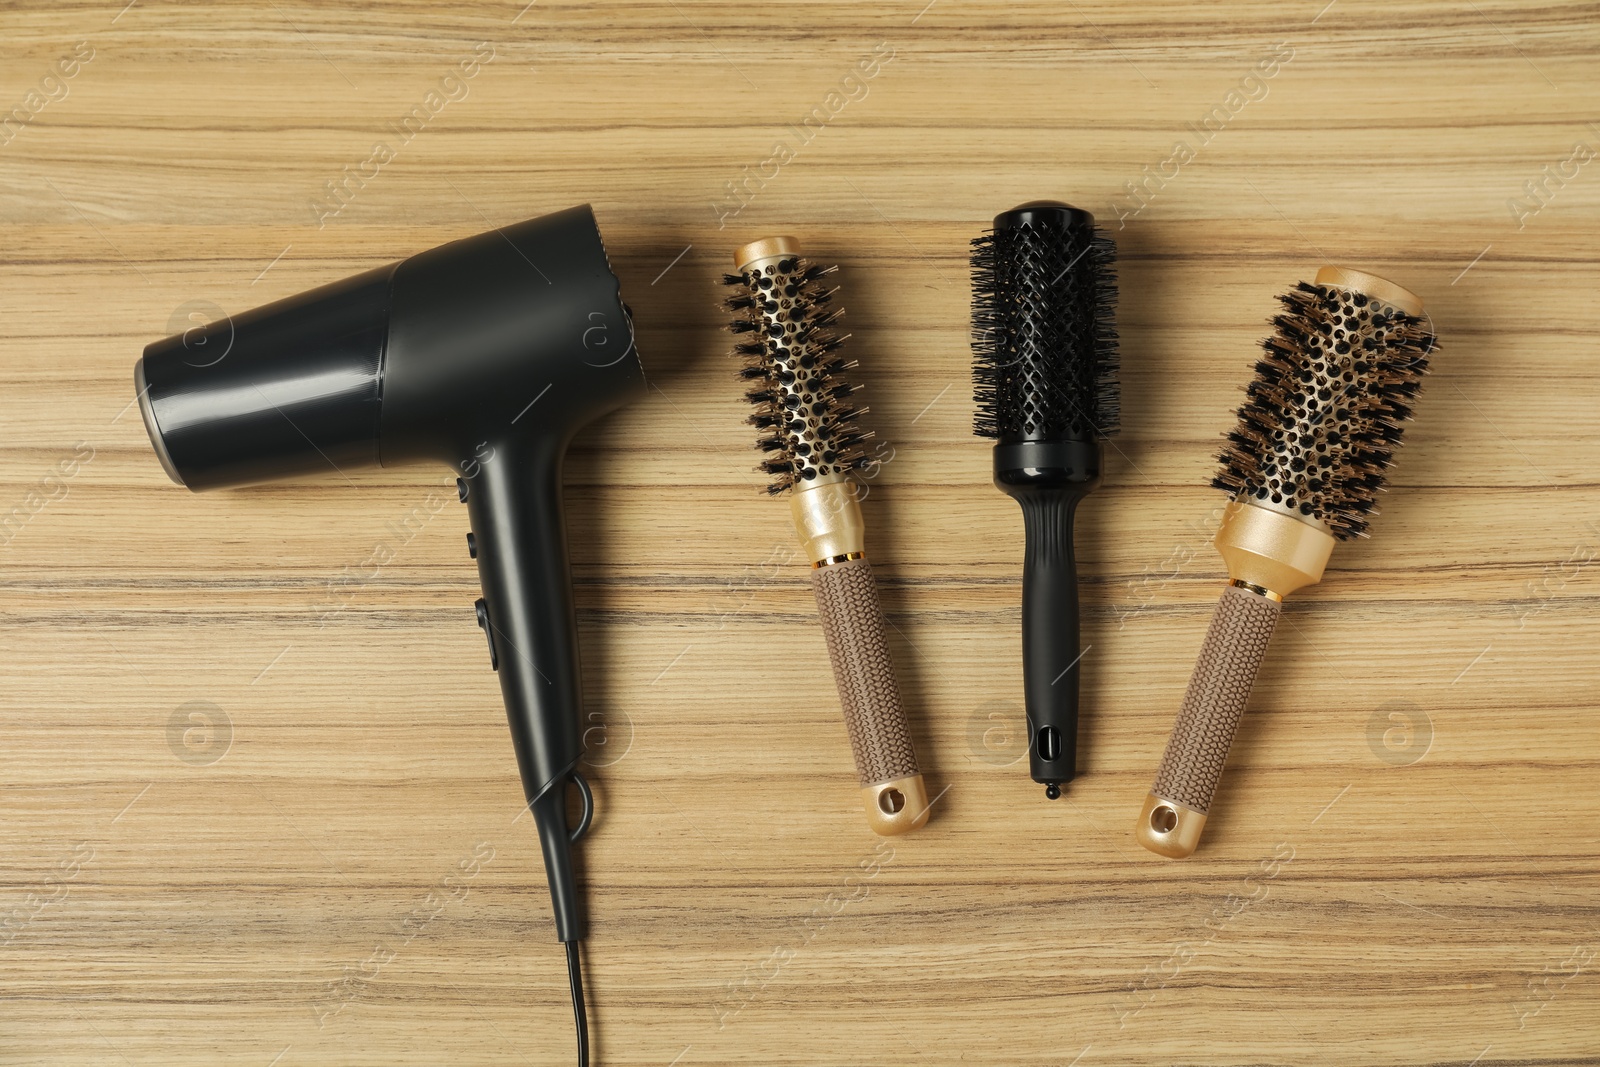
(141, 391)
(290, 388)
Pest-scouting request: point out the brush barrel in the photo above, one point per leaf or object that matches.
(1048, 480)
(828, 518)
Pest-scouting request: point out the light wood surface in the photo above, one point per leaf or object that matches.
(1351, 903)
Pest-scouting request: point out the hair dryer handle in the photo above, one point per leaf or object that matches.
(513, 495)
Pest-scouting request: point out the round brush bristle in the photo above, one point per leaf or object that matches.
(1322, 419)
(1044, 336)
(782, 315)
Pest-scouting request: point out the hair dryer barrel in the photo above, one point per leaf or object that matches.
(516, 333)
(290, 388)
(437, 357)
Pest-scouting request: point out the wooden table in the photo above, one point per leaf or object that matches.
(239, 756)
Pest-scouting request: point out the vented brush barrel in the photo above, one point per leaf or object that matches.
(1045, 374)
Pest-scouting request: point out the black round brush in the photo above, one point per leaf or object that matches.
(1045, 369)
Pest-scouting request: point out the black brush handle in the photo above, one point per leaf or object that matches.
(1050, 652)
(1048, 479)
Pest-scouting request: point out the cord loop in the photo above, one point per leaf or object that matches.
(588, 807)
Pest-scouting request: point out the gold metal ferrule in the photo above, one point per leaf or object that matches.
(1372, 285)
(827, 517)
(1168, 828)
(1273, 550)
(757, 252)
(1256, 589)
(846, 558)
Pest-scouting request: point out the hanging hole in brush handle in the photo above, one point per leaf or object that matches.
(1236, 642)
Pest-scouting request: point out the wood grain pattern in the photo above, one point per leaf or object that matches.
(1351, 904)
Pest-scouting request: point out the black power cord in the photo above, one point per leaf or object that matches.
(557, 836)
(575, 976)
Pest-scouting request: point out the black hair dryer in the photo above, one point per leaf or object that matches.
(487, 354)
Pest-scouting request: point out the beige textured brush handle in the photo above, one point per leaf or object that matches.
(852, 620)
(1236, 641)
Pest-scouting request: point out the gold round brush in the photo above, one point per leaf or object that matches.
(1317, 431)
(783, 315)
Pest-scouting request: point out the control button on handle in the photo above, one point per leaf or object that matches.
(488, 633)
